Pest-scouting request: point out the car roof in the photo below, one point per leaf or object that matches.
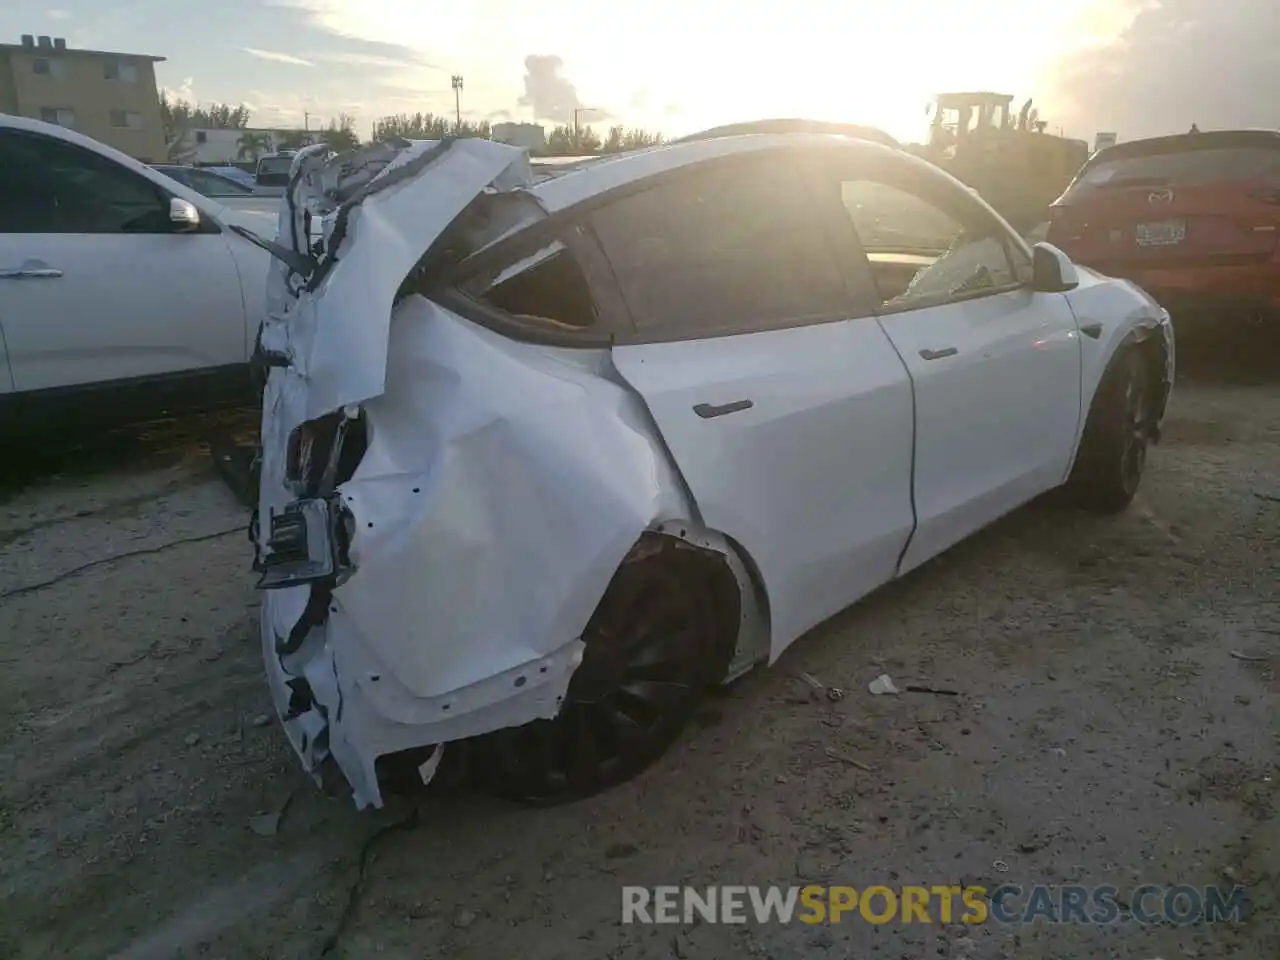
(1185, 142)
(608, 173)
(794, 125)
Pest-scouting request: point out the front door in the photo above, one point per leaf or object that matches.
(784, 404)
(997, 385)
(995, 366)
(94, 285)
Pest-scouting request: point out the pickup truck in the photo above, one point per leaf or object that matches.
(124, 295)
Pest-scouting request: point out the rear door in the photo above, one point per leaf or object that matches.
(783, 403)
(94, 284)
(996, 366)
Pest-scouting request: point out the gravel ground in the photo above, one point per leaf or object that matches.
(1104, 733)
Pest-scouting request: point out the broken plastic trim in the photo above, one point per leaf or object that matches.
(306, 543)
(380, 182)
(294, 261)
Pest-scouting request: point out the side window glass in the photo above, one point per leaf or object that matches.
(543, 283)
(920, 252)
(47, 186)
(722, 251)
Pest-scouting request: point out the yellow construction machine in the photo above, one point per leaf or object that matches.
(1011, 161)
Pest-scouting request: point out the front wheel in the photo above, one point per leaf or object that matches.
(1113, 451)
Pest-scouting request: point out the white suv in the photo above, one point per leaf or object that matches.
(116, 280)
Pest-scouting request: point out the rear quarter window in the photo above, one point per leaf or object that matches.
(540, 282)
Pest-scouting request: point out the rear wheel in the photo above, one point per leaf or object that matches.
(661, 635)
(1113, 451)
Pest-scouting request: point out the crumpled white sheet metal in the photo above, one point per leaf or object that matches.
(502, 485)
(337, 339)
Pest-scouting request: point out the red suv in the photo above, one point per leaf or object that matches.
(1193, 219)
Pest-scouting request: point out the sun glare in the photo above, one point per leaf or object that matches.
(685, 64)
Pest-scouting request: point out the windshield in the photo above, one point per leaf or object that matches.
(275, 166)
(1185, 168)
(212, 184)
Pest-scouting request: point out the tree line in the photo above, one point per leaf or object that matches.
(181, 118)
(562, 140)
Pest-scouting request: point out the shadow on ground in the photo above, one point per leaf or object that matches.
(58, 455)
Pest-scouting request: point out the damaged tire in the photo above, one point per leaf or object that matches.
(1113, 450)
(661, 636)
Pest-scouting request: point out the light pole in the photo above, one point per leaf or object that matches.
(457, 98)
(577, 136)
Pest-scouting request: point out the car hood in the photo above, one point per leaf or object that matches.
(259, 214)
(381, 209)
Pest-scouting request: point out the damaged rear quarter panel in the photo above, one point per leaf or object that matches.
(502, 486)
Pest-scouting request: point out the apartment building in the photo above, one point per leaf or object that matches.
(111, 97)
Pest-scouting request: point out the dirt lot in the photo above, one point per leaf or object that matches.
(1104, 733)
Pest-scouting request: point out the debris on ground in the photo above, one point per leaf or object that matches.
(832, 693)
(925, 688)
(881, 685)
(268, 824)
(843, 758)
(1249, 658)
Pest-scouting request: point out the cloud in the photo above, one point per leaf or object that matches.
(551, 95)
(373, 60)
(57, 14)
(1178, 62)
(277, 57)
(184, 91)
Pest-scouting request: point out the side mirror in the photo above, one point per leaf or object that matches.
(1052, 270)
(183, 215)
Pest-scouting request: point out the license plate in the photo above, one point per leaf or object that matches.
(1164, 233)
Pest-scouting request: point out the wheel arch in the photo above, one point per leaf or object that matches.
(732, 571)
(1156, 349)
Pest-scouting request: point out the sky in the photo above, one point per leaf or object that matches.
(1137, 67)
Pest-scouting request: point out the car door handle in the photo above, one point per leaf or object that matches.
(708, 410)
(939, 354)
(31, 273)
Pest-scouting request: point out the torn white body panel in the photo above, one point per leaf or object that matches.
(501, 488)
(337, 336)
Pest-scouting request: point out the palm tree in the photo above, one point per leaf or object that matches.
(252, 144)
(292, 139)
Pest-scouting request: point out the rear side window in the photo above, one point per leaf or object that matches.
(1186, 168)
(725, 250)
(542, 282)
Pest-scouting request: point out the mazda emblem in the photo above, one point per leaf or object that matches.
(1160, 196)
